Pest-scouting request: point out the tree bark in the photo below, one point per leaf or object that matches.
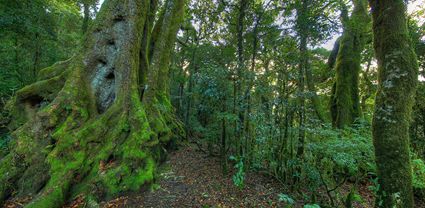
(302, 24)
(82, 129)
(397, 78)
(345, 102)
(313, 94)
(243, 4)
(86, 17)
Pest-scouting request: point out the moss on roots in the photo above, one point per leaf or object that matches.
(82, 129)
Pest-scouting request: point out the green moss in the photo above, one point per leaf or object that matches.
(140, 176)
(397, 78)
(345, 101)
(84, 151)
(54, 70)
(9, 173)
(54, 193)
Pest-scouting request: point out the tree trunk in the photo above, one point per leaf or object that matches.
(37, 58)
(313, 95)
(194, 65)
(302, 16)
(83, 129)
(86, 17)
(345, 102)
(369, 86)
(223, 148)
(397, 78)
(243, 4)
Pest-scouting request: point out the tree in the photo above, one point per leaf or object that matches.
(345, 101)
(308, 14)
(86, 5)
(35, 34)
(398, 74)
(83, 128)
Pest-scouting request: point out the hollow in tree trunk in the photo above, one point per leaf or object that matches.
(82, 129)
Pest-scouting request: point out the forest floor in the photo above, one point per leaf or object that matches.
(192, 178)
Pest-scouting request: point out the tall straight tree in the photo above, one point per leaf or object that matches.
(398, 75)
(240, 28)
(83, 129)
(302, 29)
(345, 102)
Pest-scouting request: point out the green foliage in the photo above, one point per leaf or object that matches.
(239, 177)
(35, 34)
(4, 142)
(418, 167)
(335, 155)
(375, 187)
(342, 152)
(311, 206)
(287, 199)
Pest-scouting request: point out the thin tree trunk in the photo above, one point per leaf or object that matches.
(302, 14)
(248, 139)
(368, 86)
(86, 18)
(239, 80)
(37, 57)
(313, 95)
(223, 148)
(193, 65)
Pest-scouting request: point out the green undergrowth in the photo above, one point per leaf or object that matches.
(334, 157)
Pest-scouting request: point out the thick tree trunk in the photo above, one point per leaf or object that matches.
(157, 99)
(398, 75)
(82, 129)
(345, 102)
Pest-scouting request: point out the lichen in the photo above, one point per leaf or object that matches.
(397, 78)
(72, 146)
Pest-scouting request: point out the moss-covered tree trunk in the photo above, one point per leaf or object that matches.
(398, 74)
(82, 129)
(345, 102)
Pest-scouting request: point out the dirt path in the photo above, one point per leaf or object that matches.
(192, 179)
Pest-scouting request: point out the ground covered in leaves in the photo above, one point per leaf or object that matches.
(192, 178)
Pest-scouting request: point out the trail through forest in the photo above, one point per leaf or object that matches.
(265, 111)
(191, 178)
